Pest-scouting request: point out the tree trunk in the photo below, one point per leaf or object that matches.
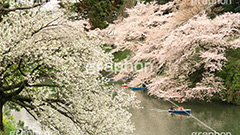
(1, 118)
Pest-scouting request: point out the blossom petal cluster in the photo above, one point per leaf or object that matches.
(43, 59)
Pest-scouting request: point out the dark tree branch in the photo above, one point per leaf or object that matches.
(5, 81)
(8, 74)
(8, 66)
(55, 101)
(26, 106)
(71, 117)
(30, 112)
(36, 68)
(23, 98)
(19, 8)
(42, 85)
(11, 87)
(23, 104)
(22, 86)
(47, 25)
(19, 68)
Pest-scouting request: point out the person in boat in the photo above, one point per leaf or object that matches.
(172, 107)
(181, 108)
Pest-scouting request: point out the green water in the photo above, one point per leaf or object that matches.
(154, 119)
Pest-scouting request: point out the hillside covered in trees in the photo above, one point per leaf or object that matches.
(194, 56)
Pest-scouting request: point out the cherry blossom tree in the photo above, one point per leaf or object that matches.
(7, 6)
(186, 56)
(43, 61)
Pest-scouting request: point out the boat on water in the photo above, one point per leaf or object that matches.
(124, 85)
(125, 78)
(109, 79)
(138, 88)
(184, 111)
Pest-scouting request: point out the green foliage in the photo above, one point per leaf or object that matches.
(231, 6)
(144, 62)
(136, 40)
(121, 55)
(118, 57)
(11, 125)
(8, 122)
(4, 4)
(196, 76)
(106, 48)
(197, 50)
(13, 106)
(98, 11)
(232, 38)
(126, 4)
(231, 76)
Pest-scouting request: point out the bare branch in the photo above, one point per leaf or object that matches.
(19, 8)
(42, 85)
(19, 68)
(47, 25)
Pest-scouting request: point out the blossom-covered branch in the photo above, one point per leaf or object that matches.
(42, 69)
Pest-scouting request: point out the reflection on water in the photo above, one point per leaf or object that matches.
(154, 118)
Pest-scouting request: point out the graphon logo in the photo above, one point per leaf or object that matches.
(210, 2)
(211, 133)
(127, 67)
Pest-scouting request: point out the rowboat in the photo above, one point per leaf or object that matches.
(124, 85)
(185, 111)
(109, 79)
(138, 88)
(125, 78)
